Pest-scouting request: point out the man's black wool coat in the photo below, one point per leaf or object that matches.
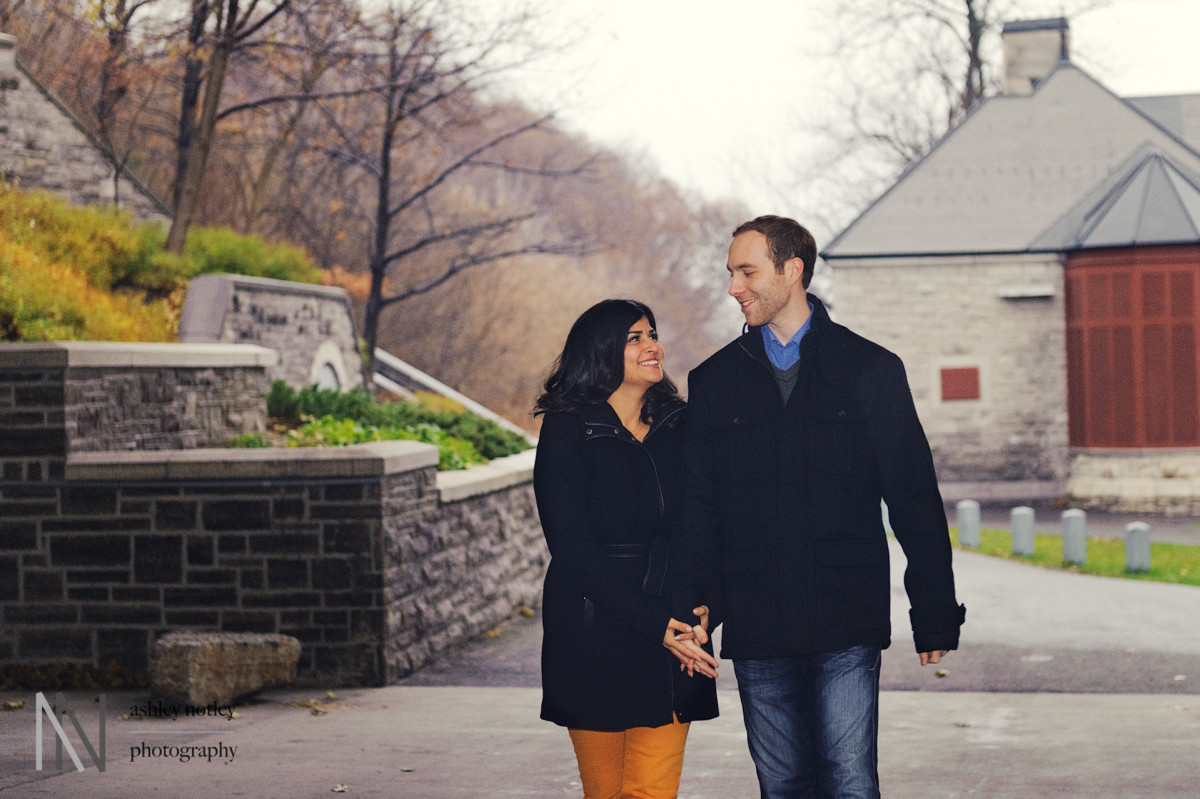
(782, 516)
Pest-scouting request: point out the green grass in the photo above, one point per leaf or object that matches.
(1169, 563)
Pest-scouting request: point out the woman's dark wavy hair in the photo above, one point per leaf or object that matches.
(592, 364)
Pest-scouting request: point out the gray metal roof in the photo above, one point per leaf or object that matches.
(1017, 164)
(1151, 199)
(1178, 113)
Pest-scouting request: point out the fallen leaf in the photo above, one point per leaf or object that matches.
(942, 673)
(1180, 677)
(340, 788)
(493, 633)
(528, 612)
(320, 708)
(16, 704)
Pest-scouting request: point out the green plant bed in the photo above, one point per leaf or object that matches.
(453, 453)
(317, 417)
(1170, 563)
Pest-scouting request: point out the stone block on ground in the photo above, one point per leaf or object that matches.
(196, 668)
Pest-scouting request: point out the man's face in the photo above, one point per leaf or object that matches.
(753, 282)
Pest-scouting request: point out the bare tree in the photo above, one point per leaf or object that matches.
(426, 142)
(120, 100)
(216, 30)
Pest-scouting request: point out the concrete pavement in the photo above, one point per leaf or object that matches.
(1065, 685)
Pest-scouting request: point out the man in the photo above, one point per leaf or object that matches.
(796, 431)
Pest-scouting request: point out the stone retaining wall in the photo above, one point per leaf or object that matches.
(363, 553)
(119, 522)
(311, 327)
(61, 398)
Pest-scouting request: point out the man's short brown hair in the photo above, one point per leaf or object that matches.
(786, 239)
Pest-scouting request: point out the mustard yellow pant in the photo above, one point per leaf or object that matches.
(639, 763)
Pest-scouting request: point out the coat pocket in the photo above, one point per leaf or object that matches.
(743, 447)
(838, 442)
(589, 615)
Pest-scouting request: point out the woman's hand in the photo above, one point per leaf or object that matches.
(683, 641)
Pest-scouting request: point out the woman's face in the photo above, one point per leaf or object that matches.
(643, 356)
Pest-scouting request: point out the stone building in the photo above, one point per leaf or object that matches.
(1039, 273)
(43, 146)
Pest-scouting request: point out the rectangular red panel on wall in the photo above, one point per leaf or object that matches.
(960, 383)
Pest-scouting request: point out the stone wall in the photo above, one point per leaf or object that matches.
(61, 398)
(355, 551)
(478, 556)
(1001, 315)
(311, 327)
(118, 525)
(1137, 481)
(43, 147)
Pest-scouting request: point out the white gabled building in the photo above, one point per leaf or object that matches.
(1039, 273)
(43, 146)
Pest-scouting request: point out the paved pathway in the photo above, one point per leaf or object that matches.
(1066, 685)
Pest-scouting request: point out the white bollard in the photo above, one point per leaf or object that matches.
(1074, 536)
(1022, 530)
(1137, 547)
(968, 523)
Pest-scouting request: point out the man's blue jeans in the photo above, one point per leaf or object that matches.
(812, 723)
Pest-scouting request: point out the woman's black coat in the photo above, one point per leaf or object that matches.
(603, 497)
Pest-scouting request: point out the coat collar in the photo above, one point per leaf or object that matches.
(822, 337)
(602, 414)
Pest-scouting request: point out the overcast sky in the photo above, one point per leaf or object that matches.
(706, 87)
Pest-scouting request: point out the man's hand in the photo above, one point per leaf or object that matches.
(933, 657)
(683, 641)
(699, 632)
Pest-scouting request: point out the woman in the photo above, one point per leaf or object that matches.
(608, 478)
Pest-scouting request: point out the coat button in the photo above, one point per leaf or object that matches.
(841, 414)
(588, 431)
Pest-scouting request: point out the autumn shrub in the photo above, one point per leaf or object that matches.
(95, 241)
(69, 272)
(44, 300)
(224, 250)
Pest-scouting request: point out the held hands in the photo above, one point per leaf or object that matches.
(684, 642)
(933, 657)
